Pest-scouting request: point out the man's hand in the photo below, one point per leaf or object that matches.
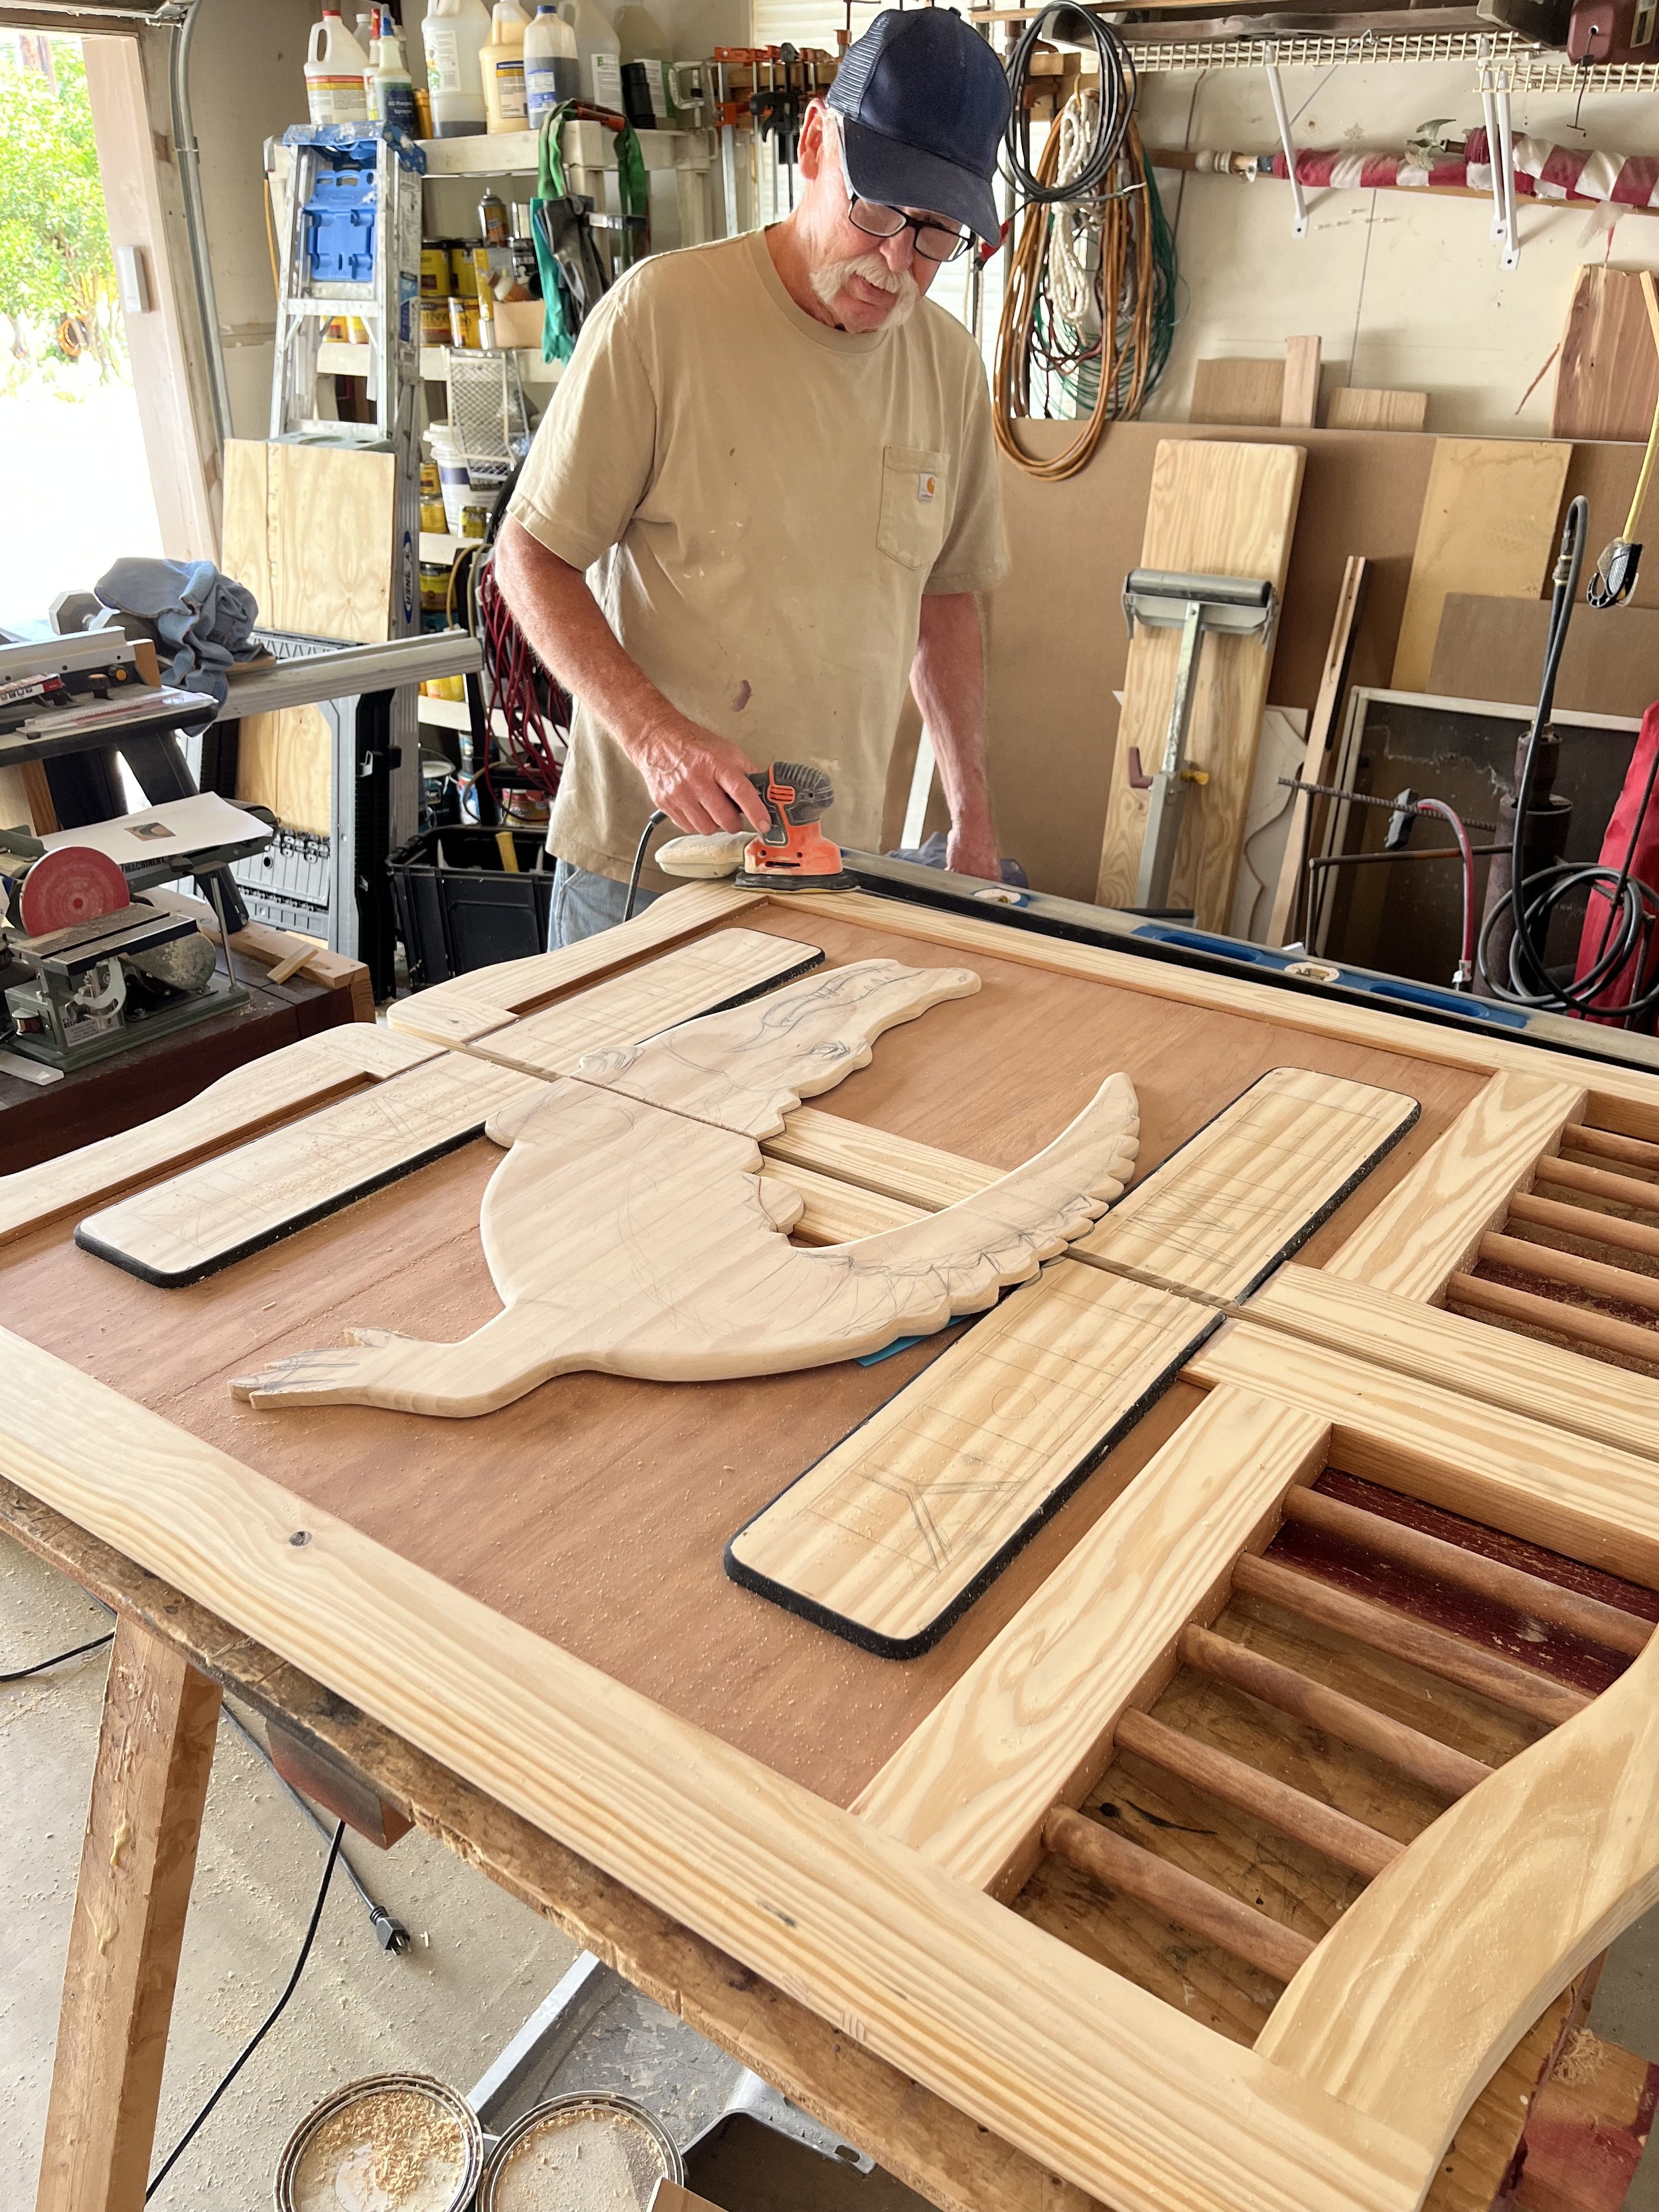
(971, 849)
(699, 780)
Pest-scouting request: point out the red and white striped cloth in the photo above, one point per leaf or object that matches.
(1542, 172)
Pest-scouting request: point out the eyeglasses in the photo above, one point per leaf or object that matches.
(936, 240)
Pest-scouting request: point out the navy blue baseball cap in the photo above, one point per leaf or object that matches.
(924, 103)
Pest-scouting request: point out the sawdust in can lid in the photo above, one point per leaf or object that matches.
(383, 2146)
(581, 2156)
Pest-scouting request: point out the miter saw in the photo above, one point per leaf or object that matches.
(88, 965)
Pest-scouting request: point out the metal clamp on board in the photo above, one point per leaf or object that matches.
(1161, 598)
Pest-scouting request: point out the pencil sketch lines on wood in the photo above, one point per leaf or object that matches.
(640, 1236)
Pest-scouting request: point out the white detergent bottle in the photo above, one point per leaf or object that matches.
(551, 74)
(598, 53)
(334, 72)
(501, 66)
(391, 94)
(454, 33)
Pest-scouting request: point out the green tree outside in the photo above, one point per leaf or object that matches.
(57, 272)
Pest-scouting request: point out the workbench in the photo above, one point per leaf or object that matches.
(518, 1634)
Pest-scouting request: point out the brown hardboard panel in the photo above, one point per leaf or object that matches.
(596, 1510)
(1056, 643)
(1494, 649)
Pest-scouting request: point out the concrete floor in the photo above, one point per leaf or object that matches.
(480, 1963)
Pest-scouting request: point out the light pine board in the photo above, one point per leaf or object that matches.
(1113, 2090)
(1604, 1404)
(308, 529)
(1299, 408)
(474, 1004)
(1467, 1454)
(1412, 2002)
(893, 1167)
(1489, 525)
(1353, 407)
(894, 1533)
(889, 1536)
(716, 971)
(1029, 1724)
(178, 1231)
(1427, 1226)
(247, 1099)
(1332, 686)
(632, 1239)
(1253, 1183)
(1216, 509)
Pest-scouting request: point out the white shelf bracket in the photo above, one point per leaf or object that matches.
(1299, 223)
(1495, 81)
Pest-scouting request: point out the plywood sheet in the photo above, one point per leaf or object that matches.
(1220, 509)
(285, 761)
(309, 530)
(1489, 525)
(1606, 381)
(889, 1537)
(1493, 648)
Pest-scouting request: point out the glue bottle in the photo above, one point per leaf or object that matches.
(550, 72)
(500, 65)
(454, 33)
(334, 72)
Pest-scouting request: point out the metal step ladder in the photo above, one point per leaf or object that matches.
(350, 246)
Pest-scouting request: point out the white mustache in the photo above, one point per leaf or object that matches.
(830, 282)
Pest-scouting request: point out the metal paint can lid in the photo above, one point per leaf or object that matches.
(588, 2153)
(392, 2143)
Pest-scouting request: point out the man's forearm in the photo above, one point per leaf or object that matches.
(948, 679)
(700, 781)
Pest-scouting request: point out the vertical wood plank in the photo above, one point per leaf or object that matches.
(154, 1754)
(1299, 407)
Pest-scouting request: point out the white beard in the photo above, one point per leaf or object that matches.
(830, 282)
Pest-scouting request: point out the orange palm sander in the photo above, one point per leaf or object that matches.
(793, 853)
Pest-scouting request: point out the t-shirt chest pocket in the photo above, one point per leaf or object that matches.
(912, 505)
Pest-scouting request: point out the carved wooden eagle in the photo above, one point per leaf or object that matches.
(633, 1226)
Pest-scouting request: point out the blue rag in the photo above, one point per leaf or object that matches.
(201, 620)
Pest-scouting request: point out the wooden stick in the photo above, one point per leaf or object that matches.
(1425, 1758)
(1181, 1897)
(154, 1752)
(1291, 1811)
(1472, 1570)
(1600, 1184)
(1599, 1329)
(1387, 1629)
(1321, 725)
(1576, 1138)
(1583, 1221)
(291, 966)
(1573, 1267)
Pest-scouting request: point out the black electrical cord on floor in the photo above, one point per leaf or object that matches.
(1633, 905)
(1117, 104)
(260, 2034)
(390, 1932)
(58, 1659)
(639, 863)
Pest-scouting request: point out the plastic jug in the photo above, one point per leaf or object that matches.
(391, 94)
(551, 74)
(500, 65)
(334, 72)
(599, 54)
(454, 33)
(641, 35)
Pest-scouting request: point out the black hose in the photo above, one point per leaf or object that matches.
(1534, 899)
(1117, 104)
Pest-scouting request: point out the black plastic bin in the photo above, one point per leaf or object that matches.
(459, 909)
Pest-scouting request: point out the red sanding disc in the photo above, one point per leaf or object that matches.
(70, 885)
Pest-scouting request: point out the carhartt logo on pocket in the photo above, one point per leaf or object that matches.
(927, 484)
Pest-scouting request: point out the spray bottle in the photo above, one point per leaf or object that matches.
(454, 33)
(390, 93)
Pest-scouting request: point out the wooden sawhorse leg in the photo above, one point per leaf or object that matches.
(155, 1754)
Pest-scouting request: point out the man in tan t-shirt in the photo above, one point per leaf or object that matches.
(764, 496)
